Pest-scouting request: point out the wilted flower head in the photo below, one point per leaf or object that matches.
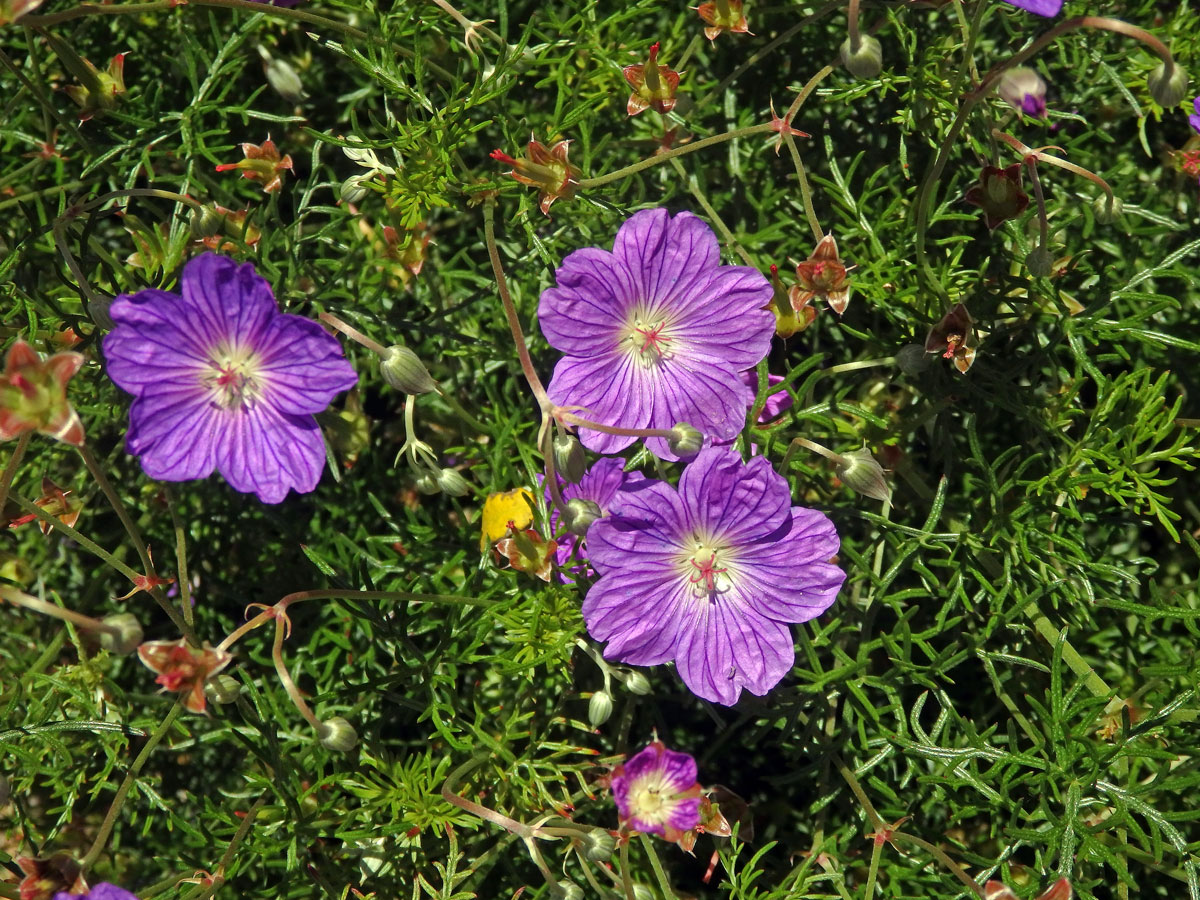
(721, 16)
(999, 194)
(222, 380)
(782, 125)
(99, 92)
(653, 85)
(656, 792)
(50, 877)
(54, 501)
(102, 891)
(822, 275)
(262, 164)
(33, 395)
(1024, 90)
(183, 668)
(548, 170)
(710, 575)
(954, 337)
(1038, 7)
(527, 551)
(655, 332)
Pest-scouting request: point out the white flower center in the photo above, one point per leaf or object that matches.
(647, 337)
(705, 564)
(232, 377)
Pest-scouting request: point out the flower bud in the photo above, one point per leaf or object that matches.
(354, 188)
(642, 892)
(1168, 84)
(223, 689)
(1039, 262)
(403, 370)
(580, 515)
(427, 483)
(452, 484)
(127, 634)
(205, 222)
(685, 441)
(1107, 209)
(569, 461)
(867, 61)
(567, 890)
(860, 472)
(636, 682)
(600, 707)
(1024, 90)
(598, 845)
(337, 734)
(912, 359)
(285, 80)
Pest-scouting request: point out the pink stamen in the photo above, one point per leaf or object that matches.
(707, 574)
(653, 337)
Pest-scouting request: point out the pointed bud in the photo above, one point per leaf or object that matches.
(223, 689)
(125, 635)
(453, 484)
(337, 734)
(204, 222)
(1168, 84)
(1107, 209)
(1039, 262)
(580, 515)
(867, 61)
(355, 188)
(284, 79)
(637, 683)
(685, 441)
(860, 472)
(600, 707)
(99, 92)
(642, 892)
(403, 370)
(598, 845)
(912, 359)
(569, 460)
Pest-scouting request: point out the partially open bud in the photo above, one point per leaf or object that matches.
(598, 845)
(1039, 262)
(580, 515)
(600, 707)
(1168, 84)
(223, 689)
(337, 734)
(453, 484)
(1107, 209)
(355, 188)
(860, 472)
(125, 637)
(685, 441)
(867, 61)
(403, 370)
(569, 460)
(1024, 90)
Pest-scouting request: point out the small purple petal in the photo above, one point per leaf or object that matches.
(1195, 119)
(102, 891)
(1038, 7)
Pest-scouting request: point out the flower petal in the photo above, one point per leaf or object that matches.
(268, 452)
(174, 431)
(1038, 7)
(610, 390)
(731, 501)
(729, 648)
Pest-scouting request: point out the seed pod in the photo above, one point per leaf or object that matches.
(860, 472)
(598, 845)
(600, 707)
(580, 515)
(1168, 86)
(1039, 262)
(222, 689)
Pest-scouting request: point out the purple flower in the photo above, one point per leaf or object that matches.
(1023, 89)
(776, 404)
(1195, 119)
(221, 379)
(1038, 7)
(655, 332)
(710, 575)
(656, 792)
(102, 891)
(599, 484)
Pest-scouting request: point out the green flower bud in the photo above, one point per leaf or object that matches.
(1107, 210)
(567, 890)
(337, 734)
(1039, 262)
(127, 634)
(223, 689)
(580, 515)
(642, 892)
(912, 359)
(569, 461)
(427, 483)
(402, 369)
(205, 222)
(598, 845)
(867, 62)
(685, 441)
(452, 483)
(355, 188)
(637, 683)
(285, 80)
(600, 707)
(1168, 84)
(860, 472)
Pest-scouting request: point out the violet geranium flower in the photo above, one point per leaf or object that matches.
(599, 484)
(1038, 7)
(656, 792)
(1194, 120)
(655, 332)
(221, 379)
(102, 891)
(710, 575)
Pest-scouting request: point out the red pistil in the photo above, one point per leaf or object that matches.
(652, 338)
(503, 157)
(707, 573)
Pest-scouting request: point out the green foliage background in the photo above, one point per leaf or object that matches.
(1037, 565)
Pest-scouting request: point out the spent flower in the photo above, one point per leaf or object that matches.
(183, 668)
(999, 194)
(545, 168)
(822, 275)
(656, 792)
(710, 575)
(262, 163)
(654, 86)
(655, 332)
(223, 380)
(33, 395)
(99, 90)
(1024, 90)
(722, 16)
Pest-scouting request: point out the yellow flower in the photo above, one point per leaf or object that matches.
(499, 510)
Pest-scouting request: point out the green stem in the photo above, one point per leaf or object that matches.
(944, 858)
(691, 48)
(10, 469)
(181, 565)
(589, 183)
(730, 241)
(139, 762)
(227, 856)
(19, 598)
(660, 874)
(44, 192)
(873, 871)
(855, 43)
